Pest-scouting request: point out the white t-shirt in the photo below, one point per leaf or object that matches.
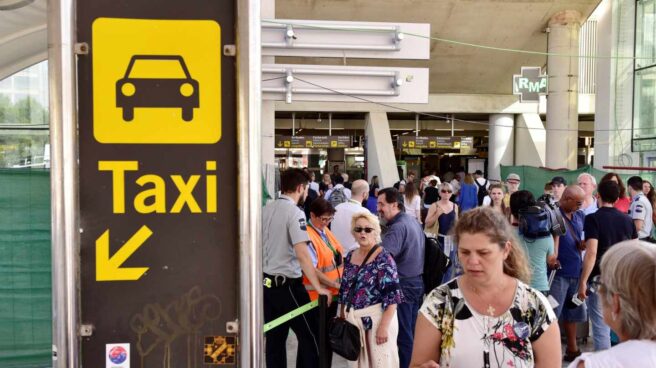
(487, 201)
(414, 207)
(314, 186)
(341, 225)
(482, 181)
(346, 191)
(456, 186)
(632, 353)
(469, 338)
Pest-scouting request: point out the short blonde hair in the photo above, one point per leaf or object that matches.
(446, 185)
(628, 269)
(487, 221)
(373, 220)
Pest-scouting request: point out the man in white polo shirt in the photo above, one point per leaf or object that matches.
(341, 225)
(640, 210)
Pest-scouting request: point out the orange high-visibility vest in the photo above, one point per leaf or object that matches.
(326, 260)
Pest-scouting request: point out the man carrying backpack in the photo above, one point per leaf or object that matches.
(482, 185)
(338, 194)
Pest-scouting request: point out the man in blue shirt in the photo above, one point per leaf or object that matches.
(566, 283)
(404, 239)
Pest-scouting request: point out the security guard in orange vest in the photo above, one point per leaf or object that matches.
(326, 253)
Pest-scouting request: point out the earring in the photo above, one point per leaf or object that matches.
(613, 316)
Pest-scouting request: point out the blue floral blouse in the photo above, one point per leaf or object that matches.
(378, 282)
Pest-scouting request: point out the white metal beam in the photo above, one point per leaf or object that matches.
(293, 82)
(314, 38)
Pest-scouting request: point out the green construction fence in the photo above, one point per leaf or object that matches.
(533, 179)
(25, 269)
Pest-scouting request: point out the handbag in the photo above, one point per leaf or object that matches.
(344, 337)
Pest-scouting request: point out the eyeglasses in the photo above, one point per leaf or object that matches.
(361, 229)
(446, 191)
(326, 219)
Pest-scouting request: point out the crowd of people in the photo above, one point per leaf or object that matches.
(519, 265)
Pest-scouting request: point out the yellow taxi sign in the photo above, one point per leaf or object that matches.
(156, 81)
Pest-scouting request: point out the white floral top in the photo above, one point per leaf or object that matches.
(470, 339)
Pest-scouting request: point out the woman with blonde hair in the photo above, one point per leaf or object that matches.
(489, 316)
(627, 289)
(441, 214)
(369, 294)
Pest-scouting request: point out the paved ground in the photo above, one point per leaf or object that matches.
(339, 362)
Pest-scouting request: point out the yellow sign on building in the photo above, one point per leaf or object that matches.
(156, 81)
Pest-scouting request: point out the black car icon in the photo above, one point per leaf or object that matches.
(133, 91)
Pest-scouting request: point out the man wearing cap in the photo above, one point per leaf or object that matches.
(558, 185)
(512, 184)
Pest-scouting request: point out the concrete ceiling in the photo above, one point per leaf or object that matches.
(515, 24)
(23, 37)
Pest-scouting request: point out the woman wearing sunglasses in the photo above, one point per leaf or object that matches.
(326, 253)
(441, 214)
(369, 294)
(627, 289)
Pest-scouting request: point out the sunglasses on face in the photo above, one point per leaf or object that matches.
(326, 219)
(361, 229)
(445, 191)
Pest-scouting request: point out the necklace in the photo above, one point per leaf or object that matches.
(491, 311)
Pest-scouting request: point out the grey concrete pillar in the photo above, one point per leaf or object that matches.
(562, 101)
(501, 144)
(380, 151)
(268, 116)
(530, 140)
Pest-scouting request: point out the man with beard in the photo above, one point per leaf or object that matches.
(405, 240)
(285, 259)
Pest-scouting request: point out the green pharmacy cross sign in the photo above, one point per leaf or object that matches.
(530, 84)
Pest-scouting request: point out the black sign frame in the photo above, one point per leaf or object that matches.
(189, 292)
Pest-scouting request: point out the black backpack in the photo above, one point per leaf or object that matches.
(435, 264)
(540, 221)
(482, 191)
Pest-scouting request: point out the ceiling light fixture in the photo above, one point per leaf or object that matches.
(6, 5)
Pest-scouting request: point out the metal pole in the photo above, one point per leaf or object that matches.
(249, 67)
(293, 124)
(453, 122)
(416, 125)
(323, 324)
(64, 182)
(330, 123)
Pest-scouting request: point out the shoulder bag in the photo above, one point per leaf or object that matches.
(344, 337)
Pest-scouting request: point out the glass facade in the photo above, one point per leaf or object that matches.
(644, 101)
(24, 119)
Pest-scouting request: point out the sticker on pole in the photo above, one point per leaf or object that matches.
(156, 81)
(117, 355)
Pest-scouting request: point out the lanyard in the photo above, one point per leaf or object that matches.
(325, 238)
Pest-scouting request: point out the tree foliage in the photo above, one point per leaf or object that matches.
(26, 111)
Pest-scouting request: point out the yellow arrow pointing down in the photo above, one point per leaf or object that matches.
(109, 268)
